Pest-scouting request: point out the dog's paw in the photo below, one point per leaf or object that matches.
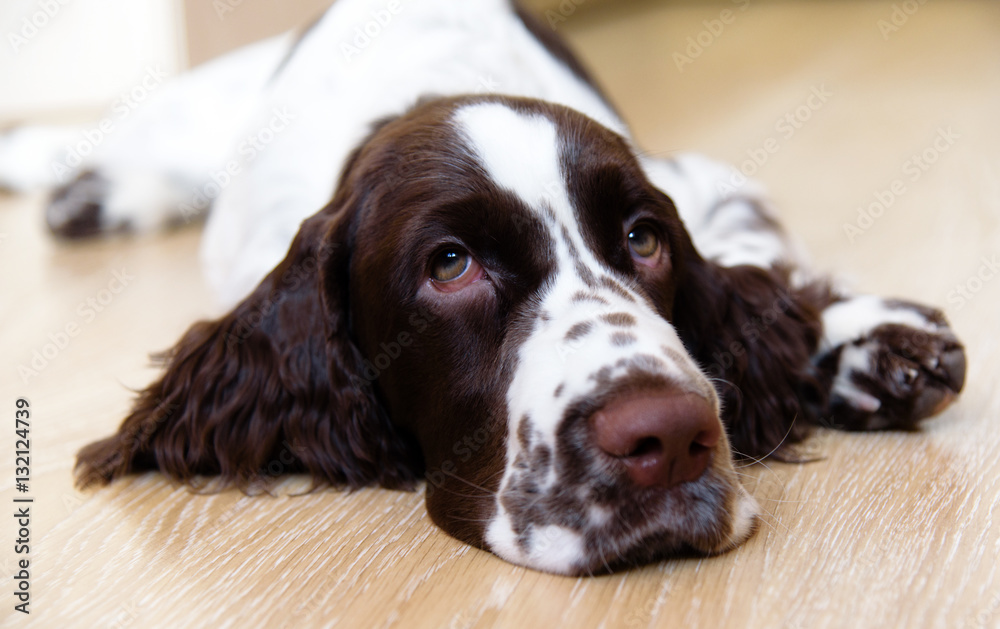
(904, 365)
(75, 209)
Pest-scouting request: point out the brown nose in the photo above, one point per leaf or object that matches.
(664, 439)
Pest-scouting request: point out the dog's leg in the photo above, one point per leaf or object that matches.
(882, 363)
(152, 163)
(728, 216)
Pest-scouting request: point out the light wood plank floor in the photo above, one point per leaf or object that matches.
(887, 530)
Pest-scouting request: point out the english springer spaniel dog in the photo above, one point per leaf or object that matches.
(570, 340)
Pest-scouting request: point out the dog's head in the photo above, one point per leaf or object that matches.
(496, 299)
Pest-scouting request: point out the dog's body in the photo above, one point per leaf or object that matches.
(502, 295)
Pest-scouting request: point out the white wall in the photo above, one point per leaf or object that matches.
(63, 54)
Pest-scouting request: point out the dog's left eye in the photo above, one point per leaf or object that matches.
(454, 268)
(643, 242)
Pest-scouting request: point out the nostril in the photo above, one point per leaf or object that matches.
(697, 448)
(706, 439)
(649, 446)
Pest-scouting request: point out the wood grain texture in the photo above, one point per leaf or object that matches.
(886, 530)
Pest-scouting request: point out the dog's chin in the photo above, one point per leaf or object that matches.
(712, 515)
(726, 528)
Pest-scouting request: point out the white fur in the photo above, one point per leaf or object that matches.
(720, 217)
(504, 141)
(746, 514)
(856, 317)
(854, 359)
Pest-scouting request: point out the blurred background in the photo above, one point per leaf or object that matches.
(66, 54)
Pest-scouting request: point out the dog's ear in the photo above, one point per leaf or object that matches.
(275, 386)
(754, 336)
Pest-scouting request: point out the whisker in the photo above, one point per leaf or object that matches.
(455, 493)
(773, 450)
(488, 492)
(776, 523)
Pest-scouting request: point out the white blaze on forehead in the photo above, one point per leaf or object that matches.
(520, 152)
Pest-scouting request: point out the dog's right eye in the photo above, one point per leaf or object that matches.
(450, 265)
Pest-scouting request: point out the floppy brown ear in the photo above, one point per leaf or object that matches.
(273, 387)
(754, 336)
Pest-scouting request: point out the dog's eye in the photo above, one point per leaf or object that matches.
(449, 265)
(453, 269)
(643, 242)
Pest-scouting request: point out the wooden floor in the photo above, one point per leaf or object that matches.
(887, 530)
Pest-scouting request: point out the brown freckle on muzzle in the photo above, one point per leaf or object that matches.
(524, 432)
(619, 319)
(616, 288)
(622, 339)
(579, 330)
(581, 296)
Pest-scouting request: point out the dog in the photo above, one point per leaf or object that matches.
(493, 290)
